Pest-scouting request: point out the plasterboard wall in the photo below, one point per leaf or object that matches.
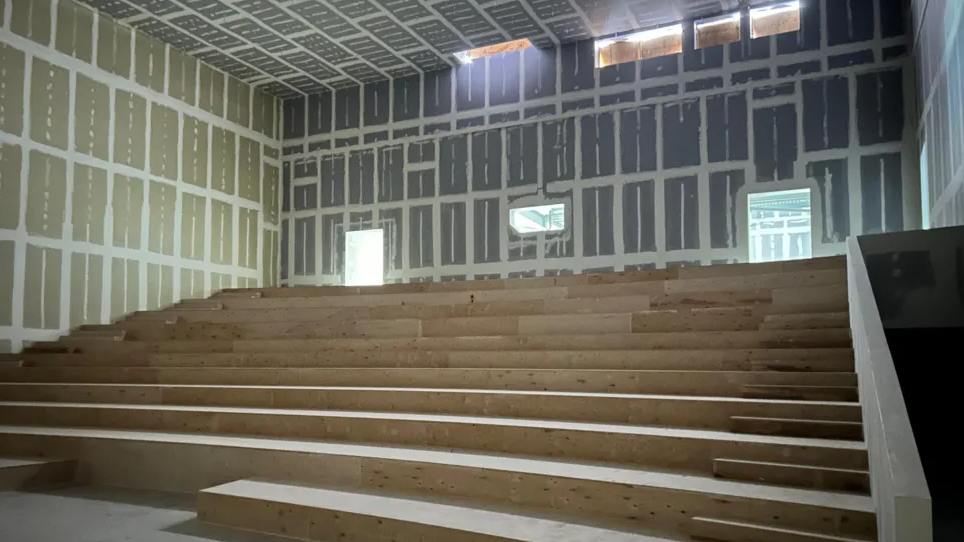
(654, 159)
(939, 48)
(131, 175)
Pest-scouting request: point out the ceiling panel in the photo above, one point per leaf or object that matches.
(287, 47)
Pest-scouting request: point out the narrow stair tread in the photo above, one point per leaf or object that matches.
(625, 429)
(494, 461)
(476, 520)
(789, 465)
(770, 529)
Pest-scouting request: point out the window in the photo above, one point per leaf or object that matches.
(775, 19)
(540, 218)
(718, 30)
(925, 193)
(466, 57)
(364, 258)
(667, 40)
(780, 225)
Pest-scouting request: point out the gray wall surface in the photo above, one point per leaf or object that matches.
(939, 48)
(131, 175)
(654, 159)
(917, 277)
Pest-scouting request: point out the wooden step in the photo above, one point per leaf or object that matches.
(705, 383)
(795, 427)
(800, 393)
(652, 324)
(318, 513)
(762, 360)
(687, 450)
(819, 320)
(787, 474)
(630, 499)
(35, 473)
(103, 333)
(656, 410)
(819, 338)
(726, 530)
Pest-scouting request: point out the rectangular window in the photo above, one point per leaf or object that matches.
(540, 218)
(718, 30)
(780, 225)
(466, 57)
(775, 19)
(667, 40)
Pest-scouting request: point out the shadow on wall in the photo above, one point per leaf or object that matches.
(917, 277)
(918, 282)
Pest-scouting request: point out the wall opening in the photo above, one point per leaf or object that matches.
(718, 30)
(667, 40)
(466, 57)
(364, 258)
(539, 218)
(775, 19)
(780, 225)
(925, 196)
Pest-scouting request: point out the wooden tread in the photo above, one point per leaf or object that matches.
(789, 474)
(318, 513)
(725, 530)
(795, 427)
(35, 473)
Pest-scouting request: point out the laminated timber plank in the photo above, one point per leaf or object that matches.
(817, 338)
(783, 360)
(797, 427)
(656, 410)
(318, 513)
(629, 498)
(705, 383)
(728, 530)
(788, 474)
(688, 450)
(18, 473)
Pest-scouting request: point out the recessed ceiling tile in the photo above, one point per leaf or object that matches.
(115, 8)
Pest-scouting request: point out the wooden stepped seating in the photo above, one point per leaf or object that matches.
(782, 359)
(19, 473)
(658, 405)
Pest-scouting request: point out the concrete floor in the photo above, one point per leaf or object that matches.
(98, 514)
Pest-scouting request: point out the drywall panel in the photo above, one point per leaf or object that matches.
(653, 160)
(120, 180)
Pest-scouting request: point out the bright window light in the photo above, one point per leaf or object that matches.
(652, 43)
(539, 218)
(718, 30)
(364, 258)
(466, 57)
(775, 19)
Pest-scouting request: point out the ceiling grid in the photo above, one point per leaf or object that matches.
(293, 47)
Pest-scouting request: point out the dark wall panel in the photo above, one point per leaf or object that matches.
(487, 160)
(488, 230)
(639, 217)
(420, 245)
(724, 189)
(775, 142)
(682, 212)
(361, 176)
(726, 127)
(598, 145)
(453, 164)
(637, 139)
(681, 134)
(831, 177)
(826, 113)
(597, 221)
(453, 233)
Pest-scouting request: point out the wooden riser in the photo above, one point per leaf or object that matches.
(716, 271)
(785, 474)
(784, 300)
(705, 383)
(735, 319)
(727, 530)
(798, 427)
(678, 449)
(320, 514)
(699, 413)
(630, 498)
(32, 473)
(316, 297)
(786, 359)
(822, 338)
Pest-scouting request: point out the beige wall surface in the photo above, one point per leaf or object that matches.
(131, 175)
